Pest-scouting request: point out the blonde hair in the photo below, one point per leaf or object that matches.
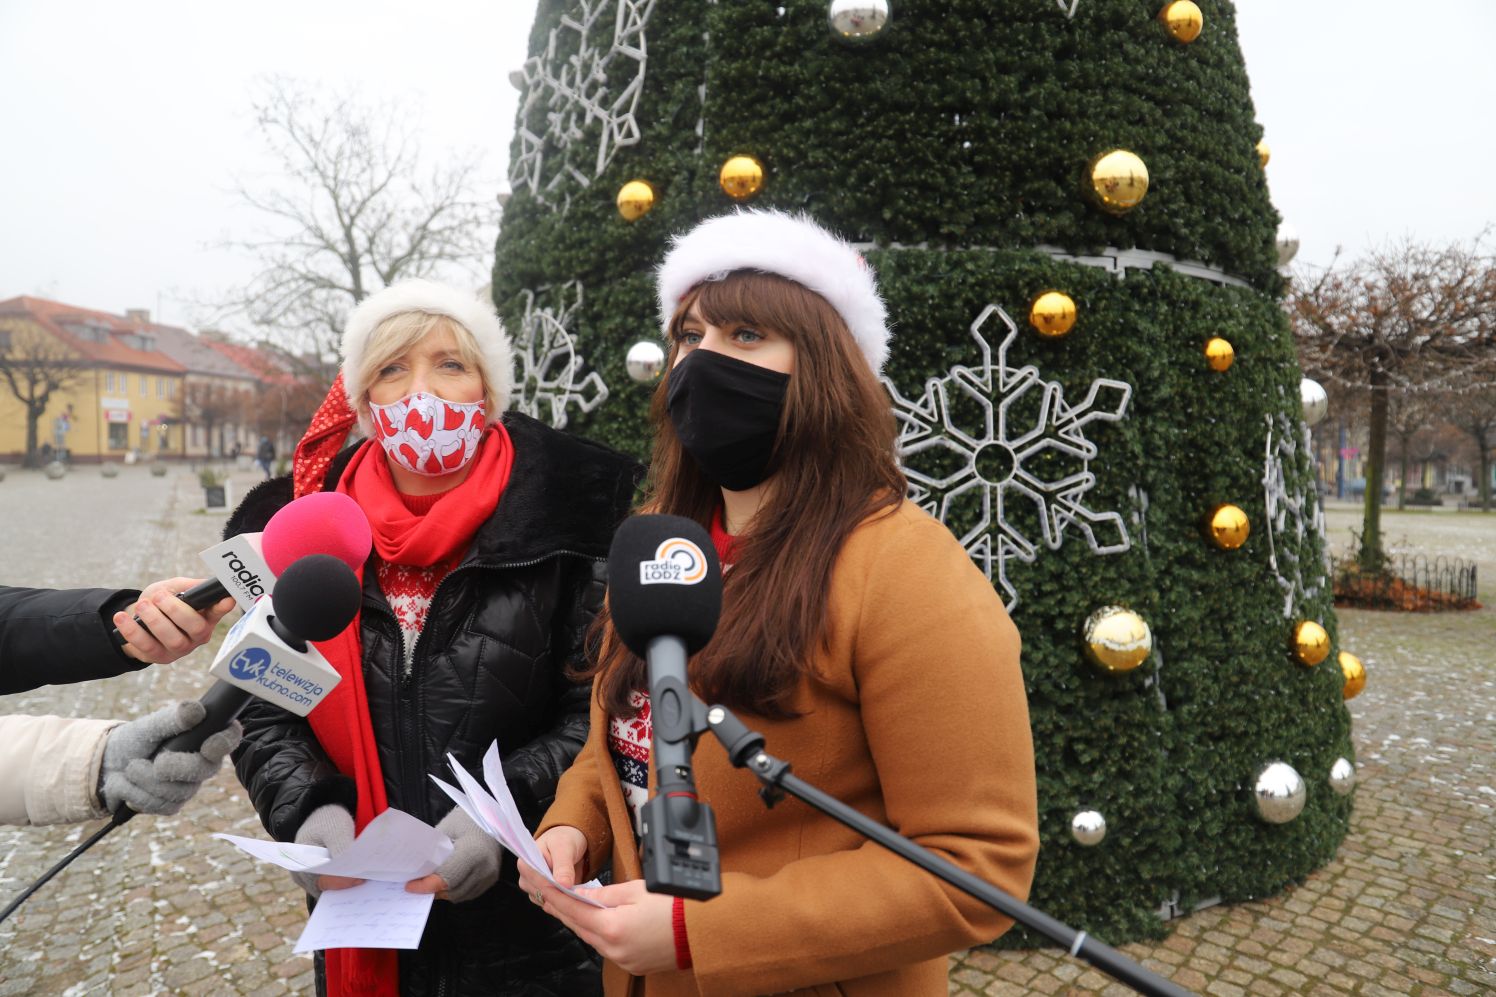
(399, 333)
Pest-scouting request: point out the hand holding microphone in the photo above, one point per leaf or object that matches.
(164, 626)
(137, 774)
(245, 568)
(268, 654)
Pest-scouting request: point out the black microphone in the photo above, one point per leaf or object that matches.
(266, 653)
(665, 596)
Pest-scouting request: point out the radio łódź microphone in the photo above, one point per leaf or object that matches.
(665, 595)
(246, 566)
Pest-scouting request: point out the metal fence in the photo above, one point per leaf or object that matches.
(1409, 582)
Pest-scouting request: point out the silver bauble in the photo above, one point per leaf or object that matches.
(1288, 244)
(645, 361)
(1278, 793)
(857, 22)
(1342, 776)
(1316, 401)
(1088, 827)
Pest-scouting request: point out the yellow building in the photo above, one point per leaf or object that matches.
(120, 396)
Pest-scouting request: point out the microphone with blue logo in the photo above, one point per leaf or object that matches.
(664, 596)
(268, 654)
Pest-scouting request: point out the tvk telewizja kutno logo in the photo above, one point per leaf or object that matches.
(250, 664)
(677, 561)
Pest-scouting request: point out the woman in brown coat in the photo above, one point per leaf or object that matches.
(856, 635)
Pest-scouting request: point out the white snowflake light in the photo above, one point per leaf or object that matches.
(575, 81)
(549, 372)
(1295, 519)
(1067, 7)
(994, 462)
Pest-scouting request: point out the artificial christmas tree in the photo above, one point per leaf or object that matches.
(1096, 389)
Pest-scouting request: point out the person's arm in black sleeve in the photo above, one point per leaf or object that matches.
(53, 637)
(534, 770)
(285, 770)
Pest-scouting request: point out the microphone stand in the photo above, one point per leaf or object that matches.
(745, 749)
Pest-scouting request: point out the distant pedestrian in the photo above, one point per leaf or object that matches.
(265, 455)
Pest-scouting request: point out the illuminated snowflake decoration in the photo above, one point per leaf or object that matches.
(992, 465)
(571, 85)
(1068, 9)
(1295, 519)
(550, 368)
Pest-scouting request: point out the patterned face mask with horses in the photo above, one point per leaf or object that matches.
(429, 435)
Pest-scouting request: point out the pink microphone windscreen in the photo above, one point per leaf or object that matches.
(320, 523)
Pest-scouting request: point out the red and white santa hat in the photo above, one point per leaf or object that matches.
(475, 314)
(791, 246)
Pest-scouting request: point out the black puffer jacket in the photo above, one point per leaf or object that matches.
(57, 636)
(502, 628)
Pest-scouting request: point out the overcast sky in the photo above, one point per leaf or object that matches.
(124, 125)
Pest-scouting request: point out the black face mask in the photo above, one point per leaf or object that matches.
(726, 413)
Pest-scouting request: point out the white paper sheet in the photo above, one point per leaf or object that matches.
(392, 850)
(374, 915)
(493, 809)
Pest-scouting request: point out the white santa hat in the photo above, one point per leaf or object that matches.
(476, 315)
(791, 246)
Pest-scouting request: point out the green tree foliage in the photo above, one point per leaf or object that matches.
(954, 148)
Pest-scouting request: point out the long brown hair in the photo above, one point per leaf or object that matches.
(833, 465)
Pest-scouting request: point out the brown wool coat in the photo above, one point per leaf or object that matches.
(918, 720)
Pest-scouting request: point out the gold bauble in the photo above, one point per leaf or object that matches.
(1053, 314)
(1264, 153)
(635, 198)
(1183, 19)
(1311, 643)
(1354, 672)
(1229, 527)
(1117, 639)
(1219, 354)
(741, 177)
(1118, 181)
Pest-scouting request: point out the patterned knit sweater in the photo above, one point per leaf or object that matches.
(408, 589)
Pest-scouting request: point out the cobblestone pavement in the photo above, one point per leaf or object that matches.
(1407, 907)
(156, 906)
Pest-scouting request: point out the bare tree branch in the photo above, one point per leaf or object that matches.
(1408, 319)
(352, 210)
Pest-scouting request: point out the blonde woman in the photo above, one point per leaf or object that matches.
(491, 533)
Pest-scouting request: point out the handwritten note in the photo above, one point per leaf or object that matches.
(375, 915)
(392, 850)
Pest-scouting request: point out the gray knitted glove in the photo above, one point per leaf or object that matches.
(330, 826)
(161, 785)
(473, 866)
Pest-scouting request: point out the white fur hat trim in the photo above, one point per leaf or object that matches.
(416, 295)
(791, 246)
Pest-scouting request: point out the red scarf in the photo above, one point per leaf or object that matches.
(341, 722)
(726, 543)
